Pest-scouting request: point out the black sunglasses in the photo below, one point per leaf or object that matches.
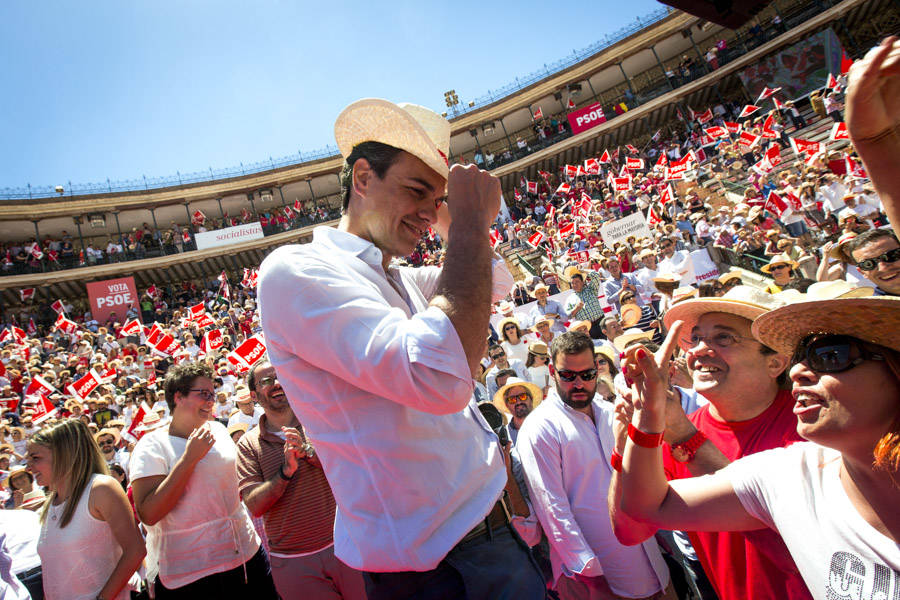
(870, 264)
(586, 375)
(832, 353)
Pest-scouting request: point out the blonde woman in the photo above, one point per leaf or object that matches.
(89, 545)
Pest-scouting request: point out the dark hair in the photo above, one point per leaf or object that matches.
(706, 289)
(578, 275)
(379, 156)
(612, 366)
(180, 378)
(873, 235)
(570, 342)
(801, 285)
(506, 373)
(494, 347)
(251, 375)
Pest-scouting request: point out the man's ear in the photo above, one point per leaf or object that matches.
(777, 363)
(362, 177)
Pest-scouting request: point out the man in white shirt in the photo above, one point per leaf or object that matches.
(248, 411)
(501, 362)
(377, 362)
(565, 447)
(675, 261)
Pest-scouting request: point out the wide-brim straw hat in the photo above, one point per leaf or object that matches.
(537, 395)
(541, 286)
(725, 278)
(33, 499)
(838, 251)
(505, 307)
(646, 252)
(875, 319)
(117, 437)
(578, 324)
(235, 427)
(779, 259)
(539, 348)
(17, 470)
(621, 342)
(607, 352)
(685, 292)
(541, 319)
(506, 321)
(667, 278)
(631, 314)
(741, 300)
(754, 213)
(571, 272)
(409, 127)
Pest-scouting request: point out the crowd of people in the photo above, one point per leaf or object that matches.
(414, 422)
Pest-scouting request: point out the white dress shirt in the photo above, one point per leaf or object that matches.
(490, 379)
(680, 264)
(381, 384)
(566, 461)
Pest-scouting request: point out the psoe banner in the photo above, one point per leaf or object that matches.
(621, 229)
(587, 117)
(229, 235)
(112, 295)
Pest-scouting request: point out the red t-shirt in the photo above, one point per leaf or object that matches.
(746, 565)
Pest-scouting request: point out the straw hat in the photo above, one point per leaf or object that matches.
(539, 348)
(779, 259)
(666, 278)
(506, 321)
(839, 288)
(646, 252)
(109, 431)
(607, 352)
(741, 300)
(505, 307)
(685, 292)
(754, 213)
(875, 319)
(549, 320)
(17, 470)
(415, 129)
(579, 325)
(837, 251)
(541, 287)
(234, 428)
(631, 314)
(732, 274)
(536, 394)
(33, 499)
(571, 271)
(630, 335)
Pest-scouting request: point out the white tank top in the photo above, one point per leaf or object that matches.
(77, 560)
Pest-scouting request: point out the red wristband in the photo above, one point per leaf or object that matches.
(616, 461)
(645, 440)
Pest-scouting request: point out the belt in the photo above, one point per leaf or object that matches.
(29, 572)
(497, 518)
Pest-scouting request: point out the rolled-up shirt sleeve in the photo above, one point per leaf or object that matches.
(344, 326)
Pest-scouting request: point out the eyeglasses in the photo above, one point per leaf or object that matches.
(831, 353)
(267, 381)
(205, 394)
(723, 339)
(497, 356)
(779, 267)
(518, 398)
(586, 375)
(509, 327)
(870, 264)
(106, 443)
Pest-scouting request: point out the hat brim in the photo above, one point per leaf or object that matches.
(377, 120)
(768, 268)
(692, 309)
(874, 319)
(622, 341)
(537, 396)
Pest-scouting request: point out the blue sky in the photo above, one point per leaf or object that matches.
(123, 89)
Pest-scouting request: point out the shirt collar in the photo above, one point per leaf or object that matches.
(347, 242)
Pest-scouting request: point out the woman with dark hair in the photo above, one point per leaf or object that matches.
(832, 499)
(90, 545)
(200, 538)
(511, 339)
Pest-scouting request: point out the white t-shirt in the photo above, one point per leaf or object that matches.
(250, 420)
(209, 530)
(798, 492)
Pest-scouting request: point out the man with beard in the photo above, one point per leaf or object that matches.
(565, 447)
(748, 412)
(282, 481)
(517, 398)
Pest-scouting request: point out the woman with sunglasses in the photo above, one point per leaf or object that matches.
(832, 499)
(200, 539)
(781, 268)
(511, 339)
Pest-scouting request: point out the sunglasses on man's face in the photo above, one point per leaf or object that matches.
(832, 353)
(870, 264)
(569, 376)
(523, 397)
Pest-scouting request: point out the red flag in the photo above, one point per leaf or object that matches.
(536, 238)
(567, 230)
(65, 325)
(152, 291)
(773, 154)
(564, 188)
(8, 404)
(748, 110)
(805, 148)
(204, 320)
(732, 127)
(4, 336)
(705, 117)
(592, 166)
(831, 82)
(108, 375)
(85, 385)
(38, 386)
(667, 194)
(198, 218)
(604, 158)
(748, 139)
(212, 340)
(545, 175)
(716, 132)
(570, 104)
(26, 294)
(59, 307)
(537, 114)
(631, 148)
(622, 184)
(517, 194)
(167, 345)
(652, 217)
(634, 164)
(288, 212)
(775, 204)
(662, 161)
(767, 131)
(551, 213)
(777, 103)
(32, 328)
(839, 132)
(134, 430)
(496, 238)
(251, 350)
(36, 252)
(131, 327)
(531, 187)
(195, 311)
(846, 63)
(767, 93)
(43, 410)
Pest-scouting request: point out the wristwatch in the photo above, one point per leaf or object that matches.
(685, 451)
